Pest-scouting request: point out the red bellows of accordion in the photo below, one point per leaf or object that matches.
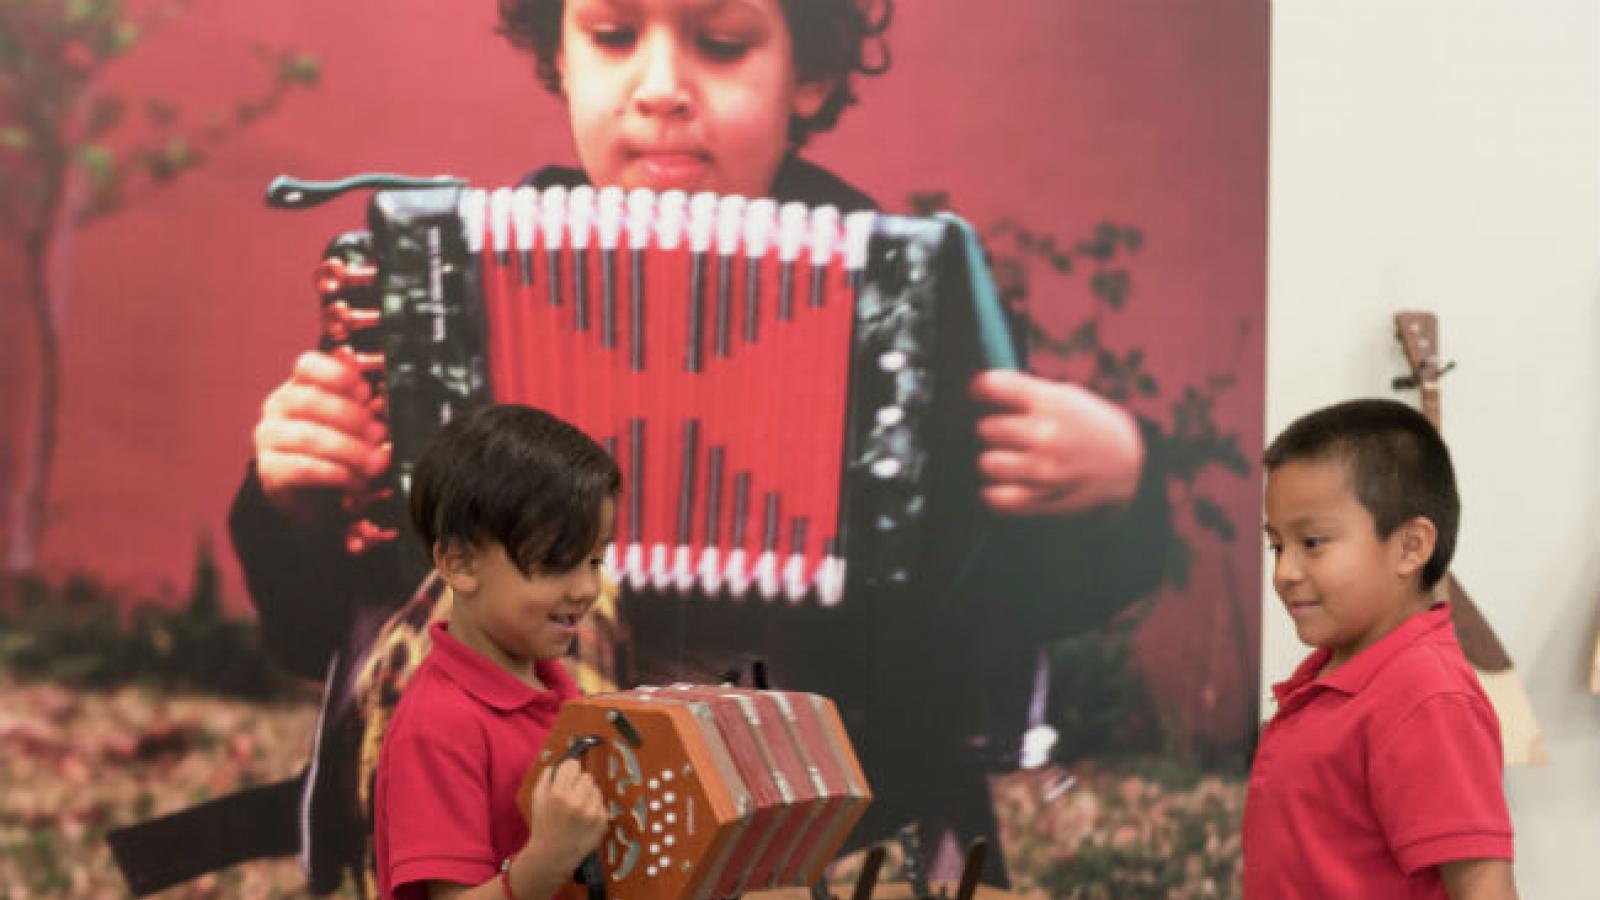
(713, 791)
(706, 342)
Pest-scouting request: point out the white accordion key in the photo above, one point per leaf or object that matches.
(610, 206)
(473, 207)
(857, 235)
(672, 213)
(553, 216)
(824, 234)
(641, 215)
(730, 220)
(760, 221)
(702, 221)
(682, 569)
(794, 578)
(500, 220)
(633, 567)
(660, 567)
(524, 217)
(710, 571)
(830, 581)
(767, 574)
(580, 216)
(737, 575)
(791, 231)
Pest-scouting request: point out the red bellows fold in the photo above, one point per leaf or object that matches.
(706, 342)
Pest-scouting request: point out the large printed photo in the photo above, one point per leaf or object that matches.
(209, 605)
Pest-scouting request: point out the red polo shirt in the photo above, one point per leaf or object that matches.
(461, 741)
(1368, 778)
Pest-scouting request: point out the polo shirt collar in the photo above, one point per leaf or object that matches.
(1356, 674)
(488, 683)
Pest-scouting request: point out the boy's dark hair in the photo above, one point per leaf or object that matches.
(516, 476)
(1399, 467)
(831, 39)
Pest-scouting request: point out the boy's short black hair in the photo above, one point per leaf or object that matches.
(832, 39)
(1399, 467)
(516, 476)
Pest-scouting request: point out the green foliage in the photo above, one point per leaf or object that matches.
(40, 854)
(1189, 442)
(1100, 704)
(75, 633)
(52, 53)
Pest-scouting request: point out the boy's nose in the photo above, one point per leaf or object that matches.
(585, 584)
(1286, 571)
(663, 89)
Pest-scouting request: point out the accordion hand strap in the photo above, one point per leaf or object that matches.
(994, 337)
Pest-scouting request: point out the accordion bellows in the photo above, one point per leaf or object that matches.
(763, 373)
(689, 350)
(713, 791)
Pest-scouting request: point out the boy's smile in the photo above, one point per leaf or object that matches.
(1344, 586)
(687, 94)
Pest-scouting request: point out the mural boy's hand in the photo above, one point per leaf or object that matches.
(317, 432)
(1053, 448)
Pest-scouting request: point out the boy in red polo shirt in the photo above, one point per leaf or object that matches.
(516, 507)
(1380, 775)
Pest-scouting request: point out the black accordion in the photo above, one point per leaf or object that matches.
(780, 384)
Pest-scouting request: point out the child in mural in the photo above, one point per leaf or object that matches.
(722, 96)
(1380, 775)
(517, 508)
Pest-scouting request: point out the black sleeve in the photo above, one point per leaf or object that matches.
(303, 583)
(1072, 573)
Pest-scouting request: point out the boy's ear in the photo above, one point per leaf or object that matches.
(1417, 540)
(810, 95)
(457, 563)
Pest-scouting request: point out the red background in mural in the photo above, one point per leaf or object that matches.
(187, 307)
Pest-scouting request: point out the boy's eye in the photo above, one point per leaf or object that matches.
(1312, 543)
(723, 48)
(613, 37)
(1274, 548)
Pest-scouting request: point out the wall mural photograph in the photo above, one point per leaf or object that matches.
(953, 418)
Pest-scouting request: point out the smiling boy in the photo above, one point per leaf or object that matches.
(516, 508)
(1379, 776)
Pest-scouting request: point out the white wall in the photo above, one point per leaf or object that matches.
(1445, 155)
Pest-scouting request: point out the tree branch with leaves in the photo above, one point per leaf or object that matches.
(72, 152)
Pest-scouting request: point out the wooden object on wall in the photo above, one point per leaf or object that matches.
(1523, 741)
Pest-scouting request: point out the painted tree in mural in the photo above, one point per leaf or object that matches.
(72, 151)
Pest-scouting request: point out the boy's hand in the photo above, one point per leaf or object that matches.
(566, 815)
(1052, 448)
(317, 432)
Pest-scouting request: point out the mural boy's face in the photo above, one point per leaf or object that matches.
(687, 94)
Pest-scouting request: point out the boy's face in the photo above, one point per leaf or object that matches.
(688, 94)
(518, 618)
(1343, 585)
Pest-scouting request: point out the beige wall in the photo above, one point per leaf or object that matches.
(1445, 154)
